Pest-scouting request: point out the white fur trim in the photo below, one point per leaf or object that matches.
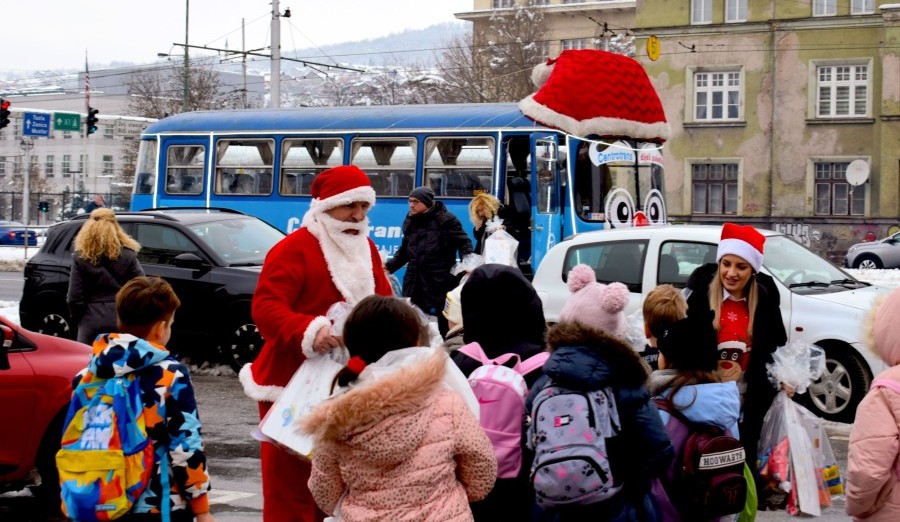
(742, 249)
(601, 126)
(309, 336)
(258, 392)
(365, 194)
(541, 73)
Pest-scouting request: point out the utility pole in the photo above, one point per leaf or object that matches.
(244, 64)
(275, 81)
(26, 145)
(186, 96)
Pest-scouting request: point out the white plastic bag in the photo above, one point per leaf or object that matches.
(796, 364)
(310, 385)
(467, 264)
(500, 247)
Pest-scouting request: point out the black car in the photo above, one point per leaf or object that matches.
(211, 257)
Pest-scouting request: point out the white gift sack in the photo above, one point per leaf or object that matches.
(310, 385)
(500, 247)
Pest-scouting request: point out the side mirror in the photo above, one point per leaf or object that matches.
(190, 261)
(6, 341)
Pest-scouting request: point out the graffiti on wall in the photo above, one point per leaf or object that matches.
(801, 232)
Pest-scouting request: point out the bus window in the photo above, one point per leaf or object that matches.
(145, 170)
(302, 160)
(390, 163)
(184, 169)
(548, 199)
(459, 167)
(244, 166)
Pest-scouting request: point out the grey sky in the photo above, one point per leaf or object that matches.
(52, 34)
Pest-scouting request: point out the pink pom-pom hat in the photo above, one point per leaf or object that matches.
(595, 304)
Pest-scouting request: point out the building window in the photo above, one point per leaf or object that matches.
(48, 165)
(108, 164)
(67, 164)
(67, 135)
(538, 2)
(701, 11)
(81, 163)
(834, 196)
(824, 7)
(2, 165)
(842, 91)
(542, 49)
(17, 165)
(108, 132)
(717, 96)
(714, 188)
(735, 10)
(862, 6)
(573, 43)
(502, 4)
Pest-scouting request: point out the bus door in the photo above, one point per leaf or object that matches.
(183, 169)
(546, 219)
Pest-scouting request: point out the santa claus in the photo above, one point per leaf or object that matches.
(328, 260)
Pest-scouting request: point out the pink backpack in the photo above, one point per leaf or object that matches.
(501, 393)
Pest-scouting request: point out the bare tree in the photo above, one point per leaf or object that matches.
(160, 92)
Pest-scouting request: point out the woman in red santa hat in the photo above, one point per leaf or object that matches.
(747, 320)
(328, 260)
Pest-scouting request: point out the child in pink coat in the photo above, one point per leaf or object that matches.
(873, 470)
(396, 442)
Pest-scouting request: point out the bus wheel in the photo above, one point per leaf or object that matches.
(240, 344)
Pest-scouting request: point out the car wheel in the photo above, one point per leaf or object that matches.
(48, 490)
(842, 386)
(867, 261)
(54, 321)
(241, 343)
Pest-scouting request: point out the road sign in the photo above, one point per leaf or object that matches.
(66, 121)
(36, 124)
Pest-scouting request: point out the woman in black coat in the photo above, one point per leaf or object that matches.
(746, 310)
(105, 258)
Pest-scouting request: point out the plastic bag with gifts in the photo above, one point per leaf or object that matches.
(467, 264)
(500, 247)
(311, 384)
(796, 364)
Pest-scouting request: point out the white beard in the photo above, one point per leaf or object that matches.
(347, 256)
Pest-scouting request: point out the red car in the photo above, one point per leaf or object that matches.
(36, 374)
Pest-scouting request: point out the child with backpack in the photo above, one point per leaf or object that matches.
(706, 480)
(504, 318)
(397, 441)
(596, 434)
(131, 447)
(873, 459)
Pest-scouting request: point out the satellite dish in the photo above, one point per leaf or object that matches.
(857, 172)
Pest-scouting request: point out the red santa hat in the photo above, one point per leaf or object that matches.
(589, 92)
(743, 241)
(340, 186)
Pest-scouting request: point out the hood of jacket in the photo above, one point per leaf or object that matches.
(389, 412)
(588, 358)
(123, 354)
(501, 310)
(713, 403)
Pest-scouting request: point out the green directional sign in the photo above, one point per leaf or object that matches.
(66, 121)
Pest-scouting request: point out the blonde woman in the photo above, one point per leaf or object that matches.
(482, 209)
(105, 258)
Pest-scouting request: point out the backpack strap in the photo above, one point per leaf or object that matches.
(666, 405)
(533, 363)
(475, 351)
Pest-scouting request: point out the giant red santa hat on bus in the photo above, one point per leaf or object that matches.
(588, 92)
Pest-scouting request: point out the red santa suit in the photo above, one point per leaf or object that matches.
(303, 275)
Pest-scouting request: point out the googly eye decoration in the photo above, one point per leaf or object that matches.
(619, 208)
(655, 207)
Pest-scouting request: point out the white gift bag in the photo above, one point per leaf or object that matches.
(500, 247)
(310, 385)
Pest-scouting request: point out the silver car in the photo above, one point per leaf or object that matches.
(875, 254)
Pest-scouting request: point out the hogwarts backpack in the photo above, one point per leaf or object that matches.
(568, 433)
(707, 476)
(501, 392)
(106, 456)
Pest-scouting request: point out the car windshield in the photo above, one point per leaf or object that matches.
(241, 242)
(802, 270)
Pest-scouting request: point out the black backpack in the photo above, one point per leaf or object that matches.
(706, 479)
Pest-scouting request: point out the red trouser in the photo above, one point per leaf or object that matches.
(286, 496)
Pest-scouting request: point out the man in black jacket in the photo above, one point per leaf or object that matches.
(432, 237)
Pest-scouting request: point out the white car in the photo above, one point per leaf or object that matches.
(820, 303)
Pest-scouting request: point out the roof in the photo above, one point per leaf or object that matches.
(399, 117)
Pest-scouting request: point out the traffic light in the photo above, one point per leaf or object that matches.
(4, 112)
(91, 122)
(44, 206)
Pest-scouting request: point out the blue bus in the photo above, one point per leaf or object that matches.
(262, 162)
